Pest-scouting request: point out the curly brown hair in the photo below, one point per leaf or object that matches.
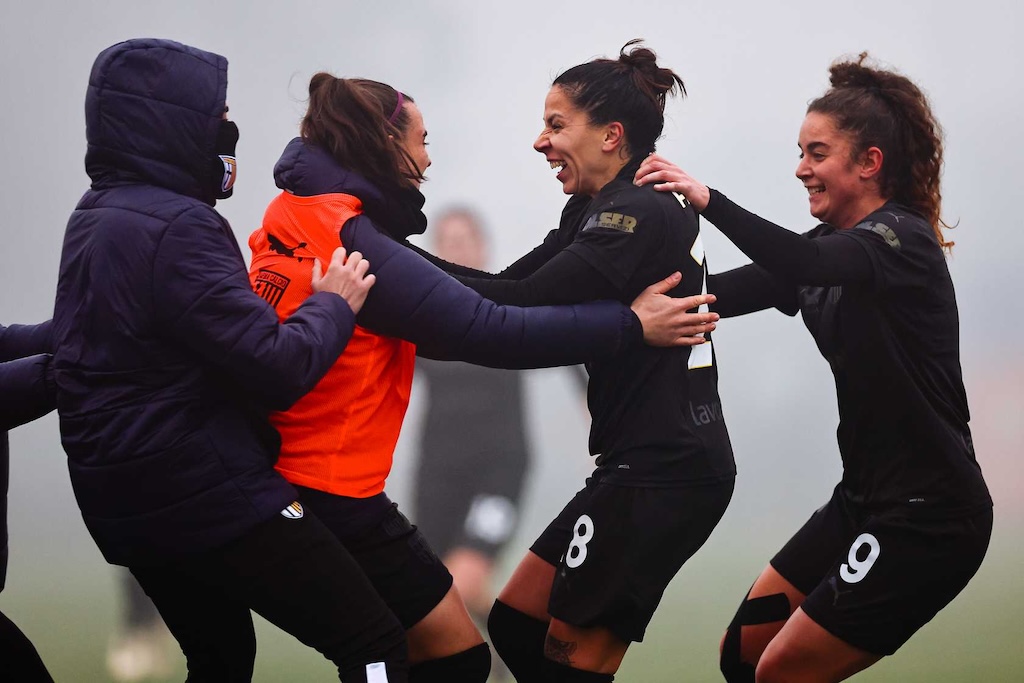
(884, 109)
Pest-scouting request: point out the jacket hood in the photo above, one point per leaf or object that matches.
(152, 111)
(307, 170)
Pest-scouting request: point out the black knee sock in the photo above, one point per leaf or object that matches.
(469, 666)
(555, 672)
(518, 639)
(762, 610)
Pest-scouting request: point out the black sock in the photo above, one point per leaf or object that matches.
(518, 639)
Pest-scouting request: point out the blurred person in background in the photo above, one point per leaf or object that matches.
(664, 475)
(473, 444)
(26, 393)
(474, 450)
(909, 523)
(352, 178)
(142, 648)
(167, 364)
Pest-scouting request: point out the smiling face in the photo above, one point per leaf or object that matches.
(842, 189)
(414, 141)
(578, 149)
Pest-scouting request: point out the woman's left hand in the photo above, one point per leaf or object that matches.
(671, 178)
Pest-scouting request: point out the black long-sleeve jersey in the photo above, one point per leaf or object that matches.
(879, 302)
(657, 415)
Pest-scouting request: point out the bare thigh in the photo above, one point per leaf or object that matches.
(528, 590)
(446, 630)
(592, 649)
(804, 652)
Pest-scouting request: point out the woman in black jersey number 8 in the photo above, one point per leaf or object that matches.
(909, 523)
(593, 579)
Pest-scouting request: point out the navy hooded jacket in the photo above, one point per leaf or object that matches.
(25, 394)
(166, 362)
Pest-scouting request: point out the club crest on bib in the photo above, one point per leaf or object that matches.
(293, 511)
(230, 172)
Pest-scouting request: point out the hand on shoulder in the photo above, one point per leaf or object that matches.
(346, 277)
(670, 178)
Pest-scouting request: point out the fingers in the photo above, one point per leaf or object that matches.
(362, 266)
(318, 272)
(698, 300)
(694, 339)
(651, 170)
(665, 285)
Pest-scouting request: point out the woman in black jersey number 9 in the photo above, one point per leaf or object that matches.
(909, 523)
(664, 470)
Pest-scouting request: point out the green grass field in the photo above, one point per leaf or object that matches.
(976, 639)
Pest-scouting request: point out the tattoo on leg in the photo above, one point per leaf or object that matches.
(559, 650)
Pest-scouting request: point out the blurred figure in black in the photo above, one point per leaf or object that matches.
(142, 648)
(473, 443)
(25, 394)
(473, 447)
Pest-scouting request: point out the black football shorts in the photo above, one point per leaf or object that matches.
(402, 566)
(873, 579)
(616, 548)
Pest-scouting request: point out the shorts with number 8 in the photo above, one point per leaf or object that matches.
(615, 549)
(874, 578)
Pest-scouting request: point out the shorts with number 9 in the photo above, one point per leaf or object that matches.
(874, 578)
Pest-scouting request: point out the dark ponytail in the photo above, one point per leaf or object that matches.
(632, 90)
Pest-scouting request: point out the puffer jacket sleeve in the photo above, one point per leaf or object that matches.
(416, 301)
(26, 392)
(203, 294)
(17, 341)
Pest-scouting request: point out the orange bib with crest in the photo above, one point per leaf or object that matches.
(341, 436)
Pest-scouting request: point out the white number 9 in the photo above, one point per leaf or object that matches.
(858, 569)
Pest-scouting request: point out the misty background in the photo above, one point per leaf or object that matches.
(479, 72)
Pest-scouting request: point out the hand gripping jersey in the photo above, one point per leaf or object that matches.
(341, 436)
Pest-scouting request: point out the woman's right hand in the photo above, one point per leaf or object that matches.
(670, 178)
(666, 321)
(346, 277)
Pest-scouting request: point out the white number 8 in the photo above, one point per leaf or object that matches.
(858, 569)
(582, 532)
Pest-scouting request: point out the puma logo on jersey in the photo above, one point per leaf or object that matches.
(293, 511)
(283, 249)
(612, 221)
